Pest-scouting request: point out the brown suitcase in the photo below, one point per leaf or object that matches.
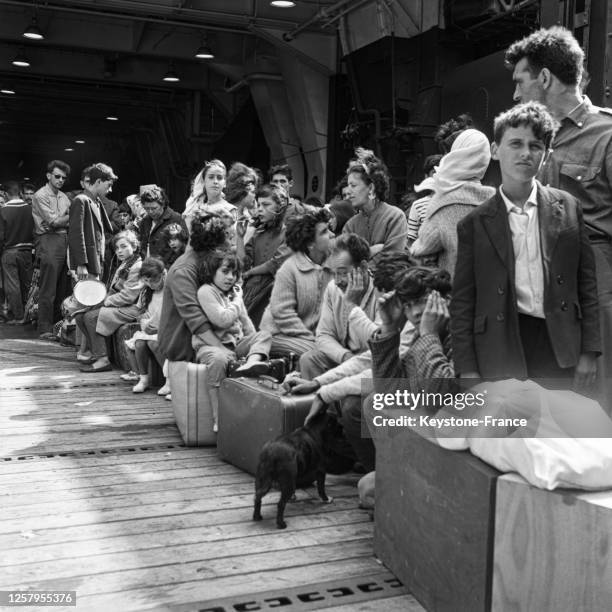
(251, 412)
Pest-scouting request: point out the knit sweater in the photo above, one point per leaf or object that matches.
(296, 298)
(438, 234)
(229, 319)
(354, 376)
(335, 336)
(386, 225)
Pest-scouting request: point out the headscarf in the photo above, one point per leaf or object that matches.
(467, 160)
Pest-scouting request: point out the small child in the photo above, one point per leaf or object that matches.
(221, 301)
(175, 243)
(144, 342)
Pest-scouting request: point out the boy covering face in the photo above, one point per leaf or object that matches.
(524, 301)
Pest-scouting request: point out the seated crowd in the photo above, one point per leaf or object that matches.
(248, 272)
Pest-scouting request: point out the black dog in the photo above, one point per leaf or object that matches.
(292, 461)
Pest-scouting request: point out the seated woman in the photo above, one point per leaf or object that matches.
(242, 185)
(343, 329)
(385, 227)
(181, 316)
(295, 303)
(158, 216)
(120, 305)
(143, 344)
(456, 192)
(265, 252)
(221, 300)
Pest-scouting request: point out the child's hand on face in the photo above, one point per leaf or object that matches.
(436, 316)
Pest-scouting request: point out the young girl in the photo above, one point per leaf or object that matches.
(221, 301)
(144, 342)
(207, 193)
(175, 240)
(120, 305)
(266, 251)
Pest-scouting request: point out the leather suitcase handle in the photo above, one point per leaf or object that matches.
(268, 381)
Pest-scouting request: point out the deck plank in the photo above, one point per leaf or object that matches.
(147, 523)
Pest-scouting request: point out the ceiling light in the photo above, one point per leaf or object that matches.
(204, 52)
(68, 149)
(112, 117)
(8, 92)
(171, 76)
(282, 3)
(21, 60)
(81, 141)
(33, 32)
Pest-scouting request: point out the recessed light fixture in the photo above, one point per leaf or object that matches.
(33, 32)
(204, 52)
(27, 178)
(8, 92)
(79, 141)
(282, 3)
(112, 117)
(21, 60)
(171, 76)
(68, 149)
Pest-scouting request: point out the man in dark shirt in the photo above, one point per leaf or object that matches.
(548, 67)
(16, 242)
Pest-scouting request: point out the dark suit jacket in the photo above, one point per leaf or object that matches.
(86, 228)
(484, 316)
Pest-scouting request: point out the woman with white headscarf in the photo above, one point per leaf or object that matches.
(457, 190)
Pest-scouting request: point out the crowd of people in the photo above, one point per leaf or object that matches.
(475, 281)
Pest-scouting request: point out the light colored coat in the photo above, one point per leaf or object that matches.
(295, 303)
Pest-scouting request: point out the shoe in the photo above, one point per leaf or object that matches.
(168, 397)
(257, 368)
(89, 369)
(165, 390)
(86, 361)
(139, 387)
(130, 376)
(50, 336)
(142, 385)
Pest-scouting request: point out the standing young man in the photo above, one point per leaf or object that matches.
(89, 222)
(50, 206)
(524, 299)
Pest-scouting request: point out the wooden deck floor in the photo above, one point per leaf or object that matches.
(98, 496)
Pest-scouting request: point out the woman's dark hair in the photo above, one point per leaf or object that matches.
(416, 282)
(371, 170)
(356, 246)
(389, 266)
(174, 230)
(152, 267)
(301, 229)
(208, 232)
(342, 211)
(238, 177)
(447, 132)
(314, 202)
(211, 262)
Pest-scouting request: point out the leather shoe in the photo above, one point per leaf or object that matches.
(257, 368)
(89, 369)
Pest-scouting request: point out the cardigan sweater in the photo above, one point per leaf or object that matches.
(336, 333)
(295, 303)
(386, 224)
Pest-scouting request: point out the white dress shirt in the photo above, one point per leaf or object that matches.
(528, 270)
